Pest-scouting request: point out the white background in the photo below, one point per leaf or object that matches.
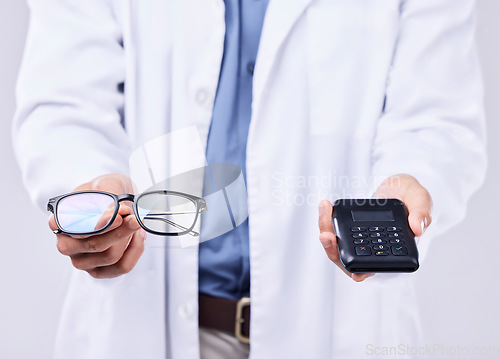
(458, 285)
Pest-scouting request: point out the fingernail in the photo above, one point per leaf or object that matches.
(423, 225)
(326, 243)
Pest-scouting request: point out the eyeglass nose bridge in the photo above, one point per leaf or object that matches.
(125, 197)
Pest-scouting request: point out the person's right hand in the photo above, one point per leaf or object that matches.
(117, 250)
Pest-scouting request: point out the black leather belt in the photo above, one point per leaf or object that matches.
(232, 316)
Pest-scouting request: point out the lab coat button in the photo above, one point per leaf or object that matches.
(204, 99)
(186, 310)
(201, 97)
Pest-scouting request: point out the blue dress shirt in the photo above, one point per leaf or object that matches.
(224, 263)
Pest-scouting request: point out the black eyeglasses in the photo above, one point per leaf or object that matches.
(165, 213)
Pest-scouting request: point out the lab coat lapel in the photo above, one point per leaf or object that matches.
(280, 18)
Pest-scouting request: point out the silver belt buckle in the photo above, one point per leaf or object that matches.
(239, 321)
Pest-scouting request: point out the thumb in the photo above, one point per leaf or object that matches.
(419, 204)
(416, 198)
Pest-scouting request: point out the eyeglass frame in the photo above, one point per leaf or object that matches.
(201, 207)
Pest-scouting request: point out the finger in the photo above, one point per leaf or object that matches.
(52, 223)
(98, 243)
(125, 210)
(419, 204)
(89, 261)
(325, 216)
(329, 242)
(333, 254)
(327, 233)
(105, 217)
(127, 262)
(359, 277)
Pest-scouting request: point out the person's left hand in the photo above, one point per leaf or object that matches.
(403, 187)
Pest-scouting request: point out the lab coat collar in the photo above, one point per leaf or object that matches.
(280, 18)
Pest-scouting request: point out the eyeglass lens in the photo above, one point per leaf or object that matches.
(85, 212)
(166, 213)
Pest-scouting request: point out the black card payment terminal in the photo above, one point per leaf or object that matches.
(373, 235)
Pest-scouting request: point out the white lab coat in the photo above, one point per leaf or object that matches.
(346, 93)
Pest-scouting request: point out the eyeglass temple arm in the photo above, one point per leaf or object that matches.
(171, 212)
(193, 233)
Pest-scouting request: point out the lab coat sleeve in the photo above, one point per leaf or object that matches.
(433, 125)
(68, 124)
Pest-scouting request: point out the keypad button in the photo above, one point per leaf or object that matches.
(395, 235)
(377, 235)
(358, 229)
(396, 241)
(399, 250)
(363, 250)
(361, 241)
(381, 253)
(394, 229)
(381, 247)
(376, 229)
(359, 235)
(375, 241)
